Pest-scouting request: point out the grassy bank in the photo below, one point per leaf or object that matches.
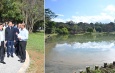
(35, 48)
(49, 35)
(36, 42)
(107, 68)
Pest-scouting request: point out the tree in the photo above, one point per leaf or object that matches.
(11, 10)
(49, 15)
(70, 23)
(28, 11)
(38, 26)
(98, 28)
(49, 25)
(62, 31)
(65, 30)
(90, 29)
(74, 29)
(33, 11)
(50, 28)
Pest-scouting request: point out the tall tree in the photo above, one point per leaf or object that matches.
(11, 10)
(49, 15)
(33, 11)
(29, 11)
(49, 25)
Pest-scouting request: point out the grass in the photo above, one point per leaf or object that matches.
(35, 48)
(36, 42)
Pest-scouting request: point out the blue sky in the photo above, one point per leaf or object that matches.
(82, 10)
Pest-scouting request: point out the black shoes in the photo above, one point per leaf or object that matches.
(8, 56)
(12, 56)
(19, 60)
(2, 62)
(22, 61)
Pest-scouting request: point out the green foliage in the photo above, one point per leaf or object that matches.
(90, 29)
(37, 25)
(65, 30)
(11, 10)
(28, 11)
(97, 71)
(49, 15)
(50, 27)
(75, 28)
(1, 6)
(98, 28)
(62, 31)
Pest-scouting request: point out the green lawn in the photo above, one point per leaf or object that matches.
(36, 41)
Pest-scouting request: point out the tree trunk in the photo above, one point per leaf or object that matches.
(30, 28)
(31, 24)
(26, 19)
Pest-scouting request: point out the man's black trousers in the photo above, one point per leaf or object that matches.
(2, 51)
(22, 49)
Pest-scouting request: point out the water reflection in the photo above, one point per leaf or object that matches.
(95, 46)
(77, 52)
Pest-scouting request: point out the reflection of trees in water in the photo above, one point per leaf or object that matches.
(64, 37)
(49, 46)
(70, 39)
(81, 38)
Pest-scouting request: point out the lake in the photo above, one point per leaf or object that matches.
(72, 53)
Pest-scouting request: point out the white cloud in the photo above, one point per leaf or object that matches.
(103, 17)
(107, 15)
(60, 15)
(110, 8)
(60, 20)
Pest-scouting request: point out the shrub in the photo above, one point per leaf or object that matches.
(62, 31)
(90, 29)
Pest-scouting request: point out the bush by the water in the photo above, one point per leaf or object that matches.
(62, 31)
(90, 29)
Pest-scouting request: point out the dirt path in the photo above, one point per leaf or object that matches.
(36, 62)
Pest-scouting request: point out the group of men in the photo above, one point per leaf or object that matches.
(14, 40)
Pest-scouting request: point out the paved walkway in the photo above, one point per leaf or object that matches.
(12, 65)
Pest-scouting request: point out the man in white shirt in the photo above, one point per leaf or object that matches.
(23, 37)
(2, 50)
(4, 27)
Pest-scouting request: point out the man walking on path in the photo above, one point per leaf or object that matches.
(10, 38)
(23, 37)
(2, 50)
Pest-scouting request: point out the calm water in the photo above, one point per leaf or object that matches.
(71, 53)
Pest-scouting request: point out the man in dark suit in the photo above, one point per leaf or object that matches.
(17, 40)
(10, 39)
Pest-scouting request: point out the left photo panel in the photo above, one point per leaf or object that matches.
(22, 36)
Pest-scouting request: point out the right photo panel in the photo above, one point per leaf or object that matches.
(79, 36)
